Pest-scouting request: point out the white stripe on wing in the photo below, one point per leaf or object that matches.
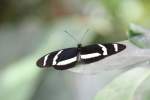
(104, 49)
(116, 47)
(56, 57)
(45, 60)
(68, 61)
(91, 55)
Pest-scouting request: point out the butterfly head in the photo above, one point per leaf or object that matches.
(79, 45)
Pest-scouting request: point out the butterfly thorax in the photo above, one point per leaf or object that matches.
(78, 52)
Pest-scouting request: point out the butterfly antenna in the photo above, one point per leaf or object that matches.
(84, 35)
(71, 36)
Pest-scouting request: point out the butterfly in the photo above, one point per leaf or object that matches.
(67, 58)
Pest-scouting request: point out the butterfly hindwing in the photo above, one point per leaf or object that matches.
(61, 59)
(97, 52)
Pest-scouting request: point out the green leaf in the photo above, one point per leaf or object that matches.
(139, 36)
(125, 86)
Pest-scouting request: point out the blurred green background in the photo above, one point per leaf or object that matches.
(31, 28)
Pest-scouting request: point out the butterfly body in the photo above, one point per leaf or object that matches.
(69, 57)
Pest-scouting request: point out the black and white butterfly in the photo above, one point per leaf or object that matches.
(69, 57)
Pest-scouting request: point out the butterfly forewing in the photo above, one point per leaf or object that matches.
(61, 59)
(47, 60)
(66, 59)
(97, 52)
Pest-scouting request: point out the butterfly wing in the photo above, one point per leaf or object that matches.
(60, 60)
(92, 53)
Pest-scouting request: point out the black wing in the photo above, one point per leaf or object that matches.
(92, 53)
(60, 60)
